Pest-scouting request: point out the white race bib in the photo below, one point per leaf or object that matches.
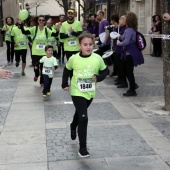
(47, 70)
(85, 85)
(40, 46)
(51, 43)
(8, 35)
(72, 42)
(22, 44)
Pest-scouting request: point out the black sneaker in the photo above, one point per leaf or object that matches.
(122, 86)
(23, 73)
(16, 64)
(73, 133)
(136, 87)
(130, 93)
(83, 153)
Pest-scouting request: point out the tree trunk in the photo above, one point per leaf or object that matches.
(165, 7)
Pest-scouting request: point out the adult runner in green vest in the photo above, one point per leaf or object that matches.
(20, 42)
(69, 32)
(7, 28)
(40, 40)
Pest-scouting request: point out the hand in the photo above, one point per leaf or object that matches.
(70, 30)
(117, 42)
(102, 45)
(94, 78)
(15, 45)
(5, 74)
(118, 36)
(66, 89)
(36, 68)
(5, 29)
(166, 16)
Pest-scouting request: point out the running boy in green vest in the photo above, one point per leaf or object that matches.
(49, 65)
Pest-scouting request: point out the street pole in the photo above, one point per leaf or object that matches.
(23, 1)
(108, 10)
(1, 23)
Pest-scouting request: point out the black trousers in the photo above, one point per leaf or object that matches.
(38, 71)
(61, 52)
(157, 46)
(70, 53)
(129, 68)
(10, 51)
(119, 66)
(47, 83)
(80, 118)
(20, 54)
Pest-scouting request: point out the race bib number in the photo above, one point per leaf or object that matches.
(22, 43)
(47, 70)
(8, 35)
(51, 43)
(72, 42)
(85, 85)
(40, 46)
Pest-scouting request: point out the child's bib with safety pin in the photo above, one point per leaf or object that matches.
(47, 70)
(40, 46)
(72, 42)
(85, 85)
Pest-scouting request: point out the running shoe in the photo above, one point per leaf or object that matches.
(35, 78)
(48, 93)
(44, 95)
(73, 133)
(23, 73)
(17, 64)
(83, 153)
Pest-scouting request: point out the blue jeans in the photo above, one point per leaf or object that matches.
(47, 83)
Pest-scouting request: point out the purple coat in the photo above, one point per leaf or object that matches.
(118, 49)
(130, 48)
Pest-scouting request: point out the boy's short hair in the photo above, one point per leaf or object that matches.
(48, 46)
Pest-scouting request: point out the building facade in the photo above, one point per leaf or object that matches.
(144, 9)
(10, 8)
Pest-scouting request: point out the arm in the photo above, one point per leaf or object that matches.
(63, 36)
(54, 34)
(55, 67)
(26, 32)
(76, 33)
(102, 75)
(126, 37)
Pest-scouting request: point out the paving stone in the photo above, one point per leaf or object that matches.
(137, 163)
(64, 113)
(102, 142)
(163, 126)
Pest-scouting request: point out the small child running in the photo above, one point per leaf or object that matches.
(88, 68)
(49, 65)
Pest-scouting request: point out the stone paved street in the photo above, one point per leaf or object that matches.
(124, 133)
